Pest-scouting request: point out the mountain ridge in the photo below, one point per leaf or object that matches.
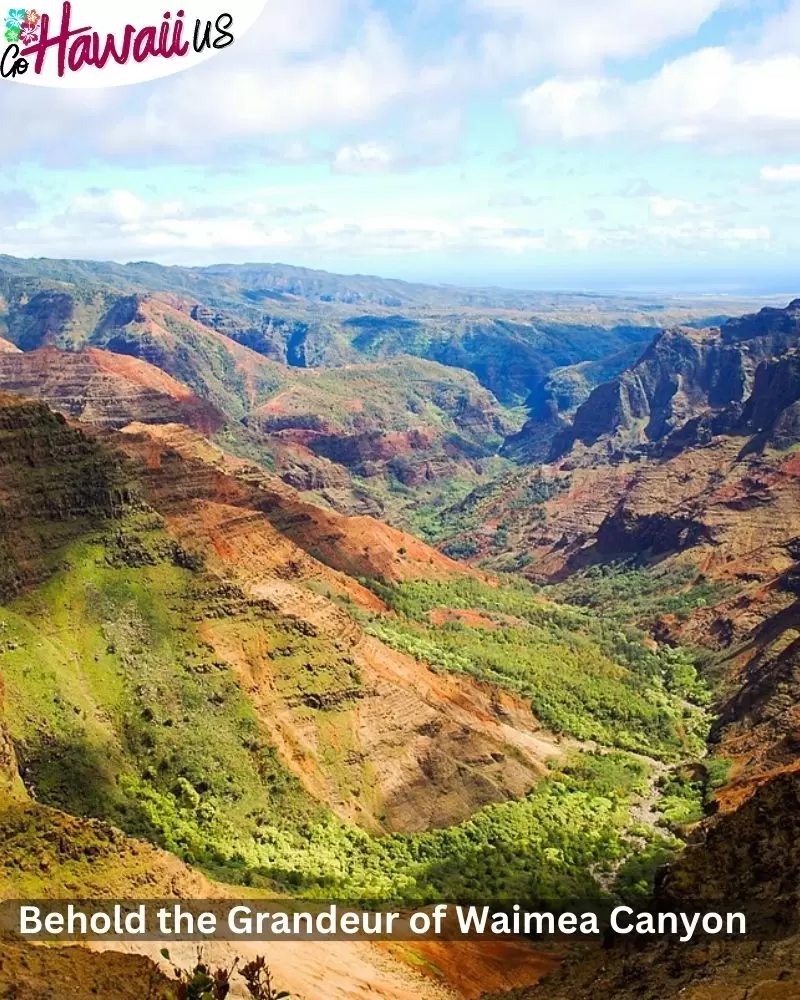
(687, 385)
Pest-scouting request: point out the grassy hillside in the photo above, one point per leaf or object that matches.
(588, 677)
(119, 709)
(122, 658)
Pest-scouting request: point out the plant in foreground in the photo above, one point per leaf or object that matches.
(258, 980)
(204, 983)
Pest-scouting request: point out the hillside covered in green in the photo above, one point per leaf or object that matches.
(122, 709)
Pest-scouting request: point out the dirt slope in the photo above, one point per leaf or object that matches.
(183, 468)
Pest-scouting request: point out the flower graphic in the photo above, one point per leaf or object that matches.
(15, 19)
(32, 18)
(28, 35)
(12, 35)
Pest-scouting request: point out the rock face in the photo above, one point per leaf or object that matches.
(53, 483)
(627, 533)
(773, 409)
(6, 347)
(555, 399)
(752, 854)
(688, 450)
(690, 384)
(105, 389)
(758, 724)
(748, 858)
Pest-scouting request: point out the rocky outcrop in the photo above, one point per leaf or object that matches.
(758, 723)
(748, 860)
(555, 399)
(773, 409)
(682, 373)
(627, 533)
(690, 385)
(105, 389)
(749, 855)
(6, 347)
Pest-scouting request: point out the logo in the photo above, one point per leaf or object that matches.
(97, 44)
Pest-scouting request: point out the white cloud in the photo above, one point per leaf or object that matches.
(419, 234)
(202, 110)
(708, 96)
(123, 226)
(708, 234)
(116, 207)
(426, 141)
(340, 69)
(782, 32)
(573, 34)
(334, 82)
(572, 109)
(364, 158)
(120, 225)
(788, 173)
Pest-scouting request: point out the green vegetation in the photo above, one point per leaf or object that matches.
(585, 675)
(133, 677)
(686, 791)
(539, 490)
(610, 773)
(445, 509)
(682, 797)
(542, 847)
(122, 710)
(640, 594)
(454, 521)
(636, 874)
(463, 548)
(127, 666)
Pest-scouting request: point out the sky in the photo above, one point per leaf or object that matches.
(590, 144)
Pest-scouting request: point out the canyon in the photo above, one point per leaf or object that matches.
(292, 611)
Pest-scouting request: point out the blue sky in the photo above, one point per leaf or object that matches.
(580, 144)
